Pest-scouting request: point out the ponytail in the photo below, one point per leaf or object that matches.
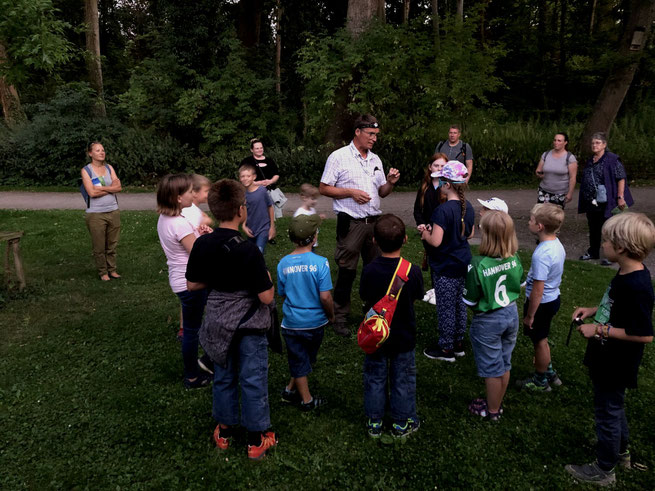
(462, 201)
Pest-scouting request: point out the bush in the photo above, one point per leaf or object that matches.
(50, 149)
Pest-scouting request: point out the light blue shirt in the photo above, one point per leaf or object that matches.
(547, 266)
(301, 278)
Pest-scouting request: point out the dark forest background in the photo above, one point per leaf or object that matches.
(172, 85)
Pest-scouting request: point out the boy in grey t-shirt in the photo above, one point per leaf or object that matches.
(542, 292)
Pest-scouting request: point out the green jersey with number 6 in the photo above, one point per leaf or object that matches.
(492, 283)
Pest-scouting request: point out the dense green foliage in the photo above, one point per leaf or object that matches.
(91, 391)
(186, 85)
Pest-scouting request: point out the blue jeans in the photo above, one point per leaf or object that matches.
(193, 307)
(260, 240)
(247, 365)
(611, 426)
(400, 371)
(493, 337)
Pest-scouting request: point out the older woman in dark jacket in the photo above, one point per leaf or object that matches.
(603, 189)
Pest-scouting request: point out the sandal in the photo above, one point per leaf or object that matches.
(104, 277)
(115, 276)
(479, 407)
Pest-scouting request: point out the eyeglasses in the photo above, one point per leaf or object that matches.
(371, 134)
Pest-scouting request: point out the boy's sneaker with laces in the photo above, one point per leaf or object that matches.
(290, 396)
(437, 353)
(409, 427)
(374, 428)
(258, 452)
(533, 385)
(202, 380)
(625, 462)
(587, 257)
(592, 474)
(553, 380)
(315, 403)
(222, 442)
(458, 349)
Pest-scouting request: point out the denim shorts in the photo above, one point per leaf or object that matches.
(493, 336)
(302, 348)
(542, 319)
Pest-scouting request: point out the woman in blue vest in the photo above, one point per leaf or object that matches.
(102, 216)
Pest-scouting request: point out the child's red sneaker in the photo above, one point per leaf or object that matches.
(259, 452)
(222, 442)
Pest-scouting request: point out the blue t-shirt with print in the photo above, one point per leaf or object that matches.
(301, 278)
(547, 266)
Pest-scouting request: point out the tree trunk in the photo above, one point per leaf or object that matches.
(435, 24)
(278, 51)
(93, 53)
(361, 13)
(406, 5)
(562, 59)
(359, 17)
(593, 17)
(630, 51)
(249, 22)
(11, 109)
(460, 10)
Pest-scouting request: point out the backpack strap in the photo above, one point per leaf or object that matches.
(568, 157)
(400, 277)
(87, 198)
(232, 242)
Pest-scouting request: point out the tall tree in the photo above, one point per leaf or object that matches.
(460, 10)
(435, 23)
(360, 14)
(11, 107)
(278, 49)
(406, 5)
(629, 53)
(93, 64)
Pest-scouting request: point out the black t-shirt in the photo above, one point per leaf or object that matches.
(266, 168)
(373, 285)
(242, 268)
(615, 363)
(452, 257)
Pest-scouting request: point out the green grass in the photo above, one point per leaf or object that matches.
(91, 393)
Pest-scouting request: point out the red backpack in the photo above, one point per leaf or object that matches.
(375, 328)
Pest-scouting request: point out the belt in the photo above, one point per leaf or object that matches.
(367, 220)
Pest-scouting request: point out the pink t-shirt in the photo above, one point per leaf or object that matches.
(171, 231)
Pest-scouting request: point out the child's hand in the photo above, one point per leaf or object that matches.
(248, 231)
(588, 330)
(271, 232)
(420, 228)
(528, 321)
(204, 229)
(583, 312)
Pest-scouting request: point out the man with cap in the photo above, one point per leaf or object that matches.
(354, 178)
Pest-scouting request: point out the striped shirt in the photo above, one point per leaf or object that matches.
(346, 168)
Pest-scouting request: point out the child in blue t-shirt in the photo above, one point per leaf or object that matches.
(260, 222)
(542, 292)
(303, 278)
(449, 255)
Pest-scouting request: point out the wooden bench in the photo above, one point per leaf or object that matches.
(13, 242)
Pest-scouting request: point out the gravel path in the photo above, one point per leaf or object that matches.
(520, 201)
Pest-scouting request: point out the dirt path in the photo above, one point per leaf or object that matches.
(520, 201)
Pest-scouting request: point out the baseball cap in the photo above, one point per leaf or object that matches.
(494, 204)
(304, 227)
(454, 171)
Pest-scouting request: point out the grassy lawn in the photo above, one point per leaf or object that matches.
(91, 393)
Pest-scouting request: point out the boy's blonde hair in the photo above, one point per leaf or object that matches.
(308, 190)
(549, 215)
(633, 232)
(498, 235)
(200, 181)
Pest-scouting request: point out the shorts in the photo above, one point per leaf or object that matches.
(542, 319)
(548, 197)
(302, 348)
(493, 337)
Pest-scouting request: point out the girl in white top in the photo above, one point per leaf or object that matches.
(177, 236)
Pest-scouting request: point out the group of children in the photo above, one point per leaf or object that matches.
(240, 289)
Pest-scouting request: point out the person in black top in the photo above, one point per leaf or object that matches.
(427, 198)
(236, 320)
(622, 326)
(394, 360)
